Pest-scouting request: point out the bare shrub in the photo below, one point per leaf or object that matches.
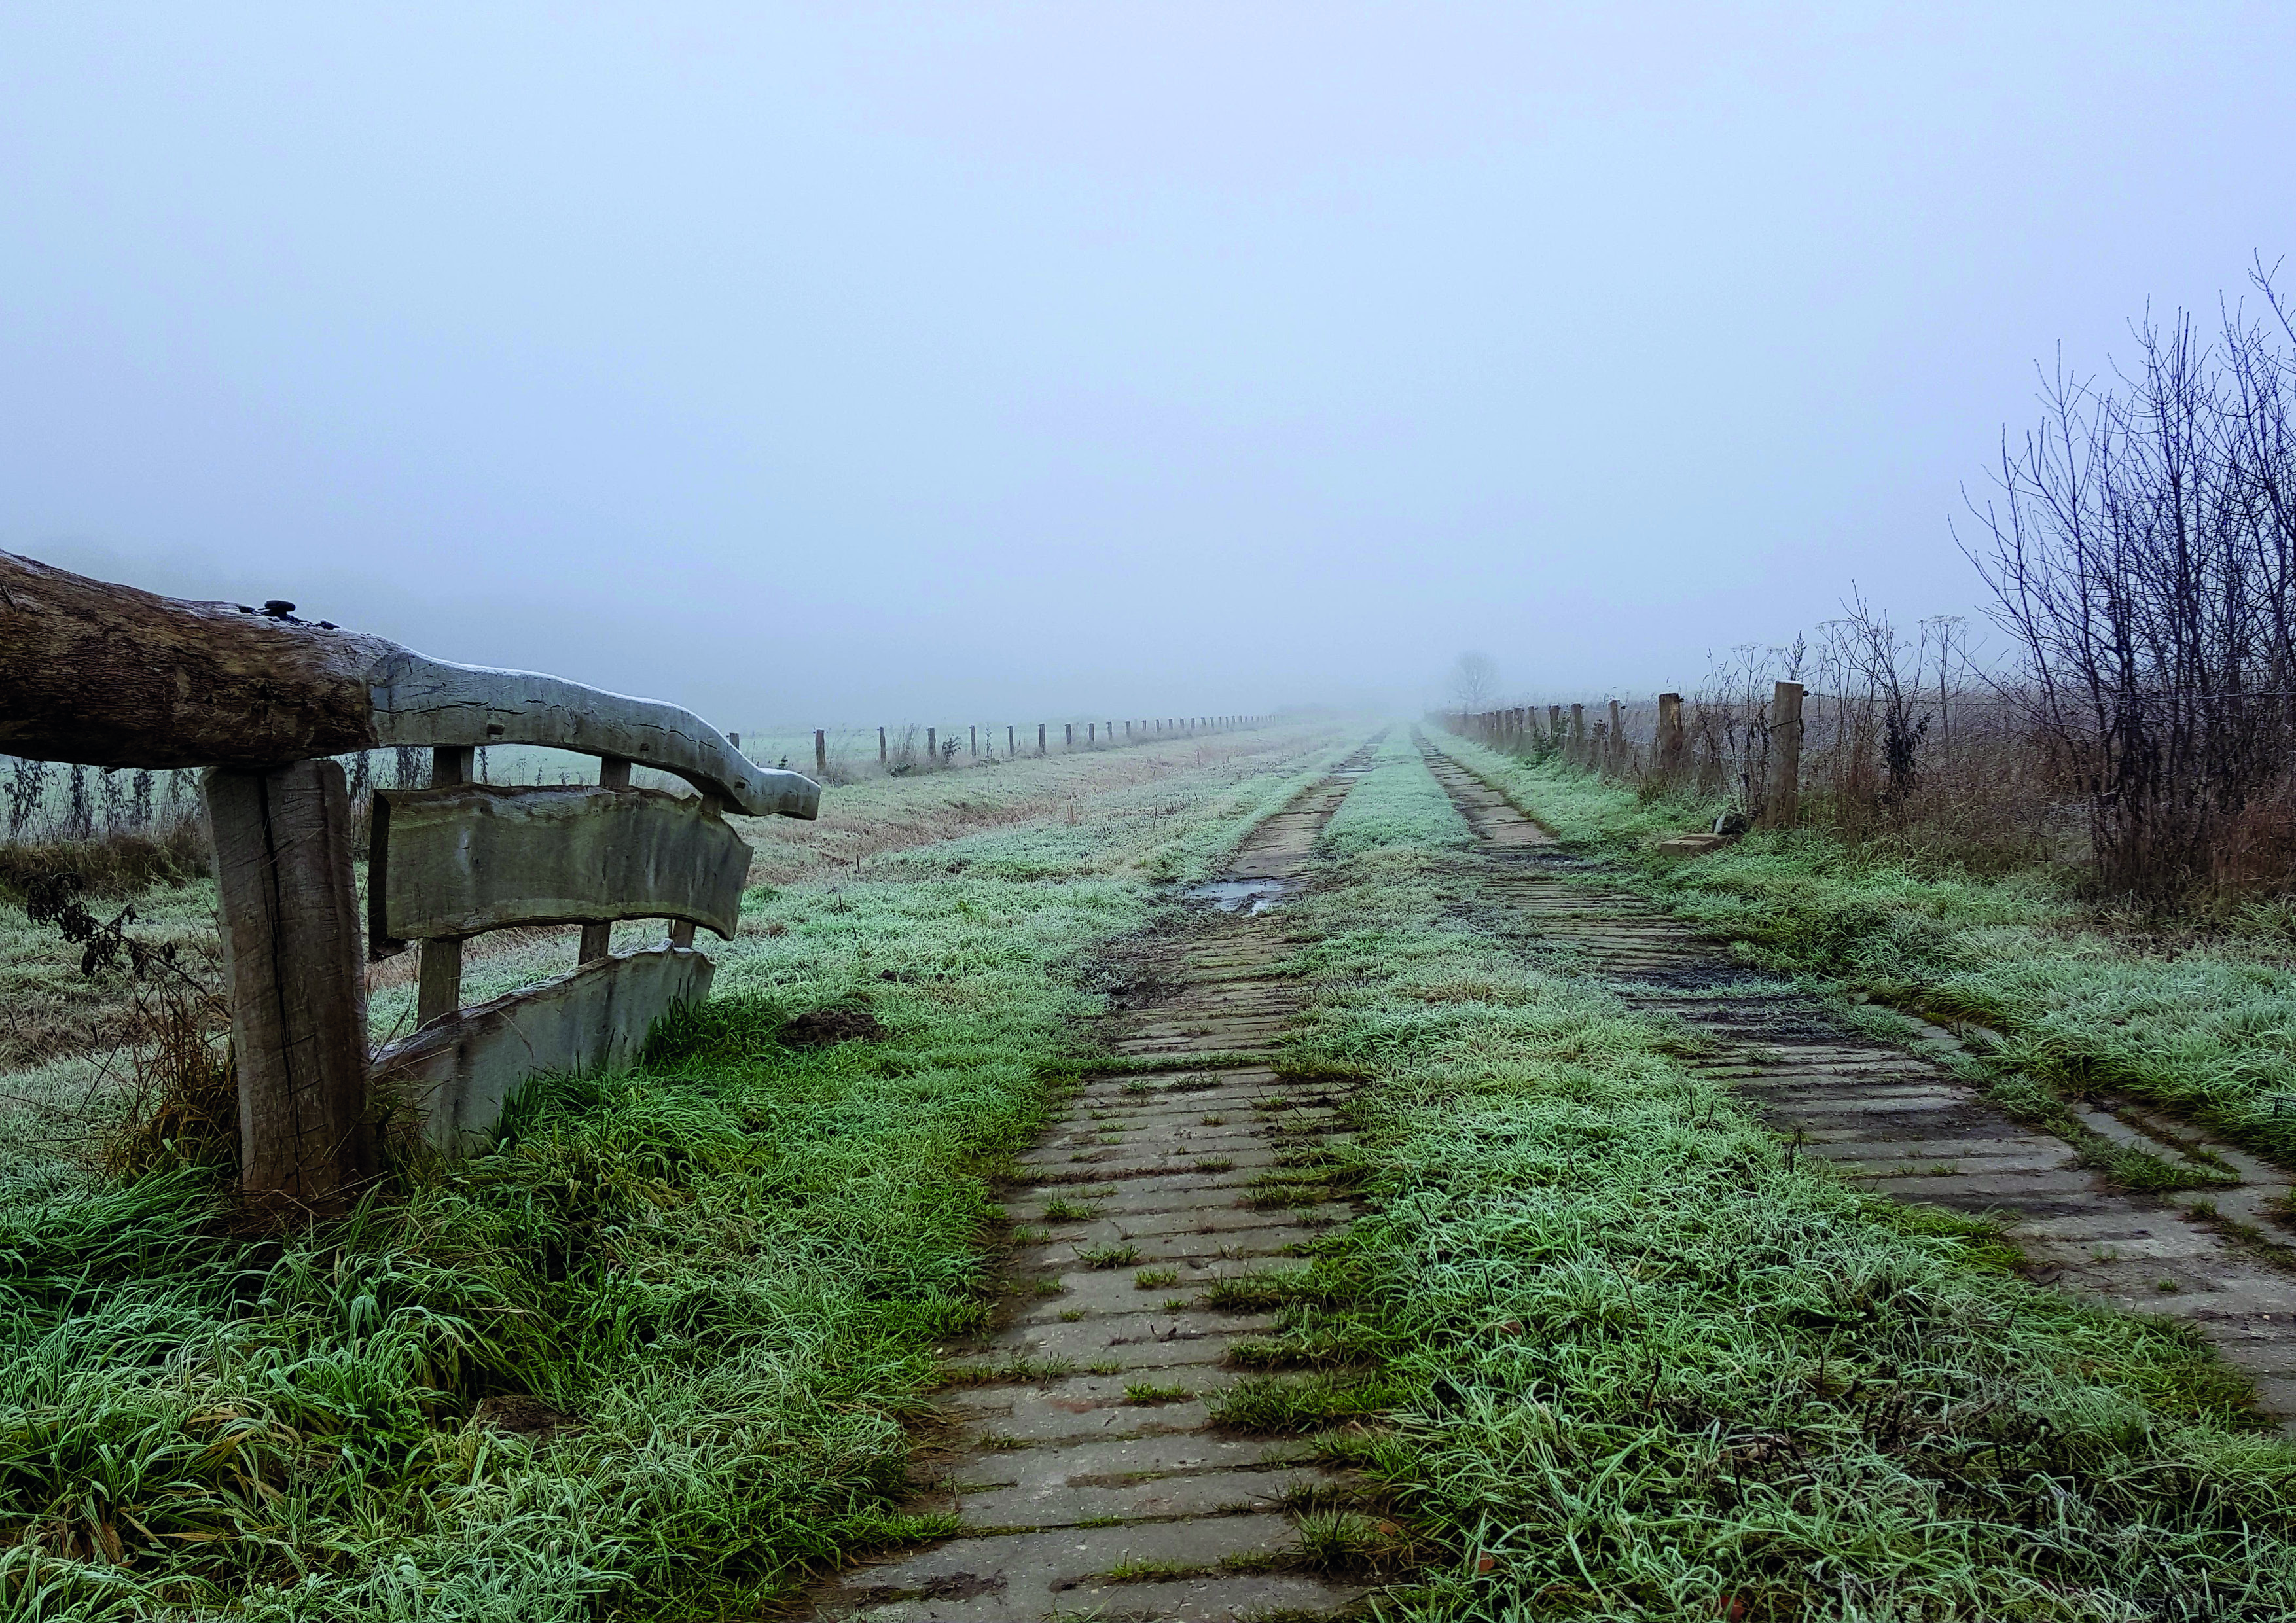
(117, 865)
(2142, 554)
(178, 1103)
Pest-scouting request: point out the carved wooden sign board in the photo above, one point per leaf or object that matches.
(110, 676)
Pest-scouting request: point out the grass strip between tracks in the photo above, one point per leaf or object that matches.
(1629, 1360)
(715, 1285)
(2206, 1026)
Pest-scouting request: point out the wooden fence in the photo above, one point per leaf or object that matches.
(107, 675)
(1756, 760)
(896, 746)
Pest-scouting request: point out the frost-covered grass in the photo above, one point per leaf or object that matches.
(1632, 1362)
(2208, 1029)
(730, 1268)
(1399, 802)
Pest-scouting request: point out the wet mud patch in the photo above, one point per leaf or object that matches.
(827, 1028)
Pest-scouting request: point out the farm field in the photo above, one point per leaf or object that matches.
(1521, 1296)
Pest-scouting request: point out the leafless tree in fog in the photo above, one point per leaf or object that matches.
(1474, 682)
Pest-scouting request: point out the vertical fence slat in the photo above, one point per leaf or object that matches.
(439, 987)
(598, 939)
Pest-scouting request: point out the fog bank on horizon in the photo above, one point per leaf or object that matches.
(847, 366)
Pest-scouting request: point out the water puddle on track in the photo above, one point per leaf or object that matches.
(1242, 894)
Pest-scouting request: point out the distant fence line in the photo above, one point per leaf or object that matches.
(898, 751)
(1780, 758)
(52, 800)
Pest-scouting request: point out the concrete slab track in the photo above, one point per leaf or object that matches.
(1082, 1465)
(1893, 1120)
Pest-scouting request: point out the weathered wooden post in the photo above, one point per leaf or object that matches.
(1068, 735)
(1011, 749)
(1578, 734)
(1555, 726)
(1783, 806)
(1618, 763)
(438, 977)
(973, 733)
(820, 750)
(1670, 740)
(1091, 734)
(1041, 738)
(932, 749)
(289, 917)
(883, 759)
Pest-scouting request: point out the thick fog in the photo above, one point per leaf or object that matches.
(840, 364)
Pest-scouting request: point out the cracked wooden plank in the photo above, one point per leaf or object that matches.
(471, 857)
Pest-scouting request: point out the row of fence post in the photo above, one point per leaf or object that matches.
(1607, 750)
(1096, 735)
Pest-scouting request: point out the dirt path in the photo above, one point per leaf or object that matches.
(1084, 1465)
(1896, 1121)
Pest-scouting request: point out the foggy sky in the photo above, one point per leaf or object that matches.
(841, 364)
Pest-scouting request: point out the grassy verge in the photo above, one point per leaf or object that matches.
(1630, 1361)
(653, 1356)
(2208, 1029)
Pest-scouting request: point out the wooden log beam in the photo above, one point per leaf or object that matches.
(453, 1078)
(455, 861)
(110, 676)
(289, 916)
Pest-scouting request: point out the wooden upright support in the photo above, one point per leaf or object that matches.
(1618, 763)
(289, 916)
(439, 985)
(1670, 740)
(598, 939)
(1781, 808)
(1041, 738)
(821, 750)
(1579, 734)
(881, 746)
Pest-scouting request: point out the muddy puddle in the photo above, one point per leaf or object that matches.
(1242, 894)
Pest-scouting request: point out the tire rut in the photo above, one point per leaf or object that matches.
(1891, 1120)
(1083, 1464)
